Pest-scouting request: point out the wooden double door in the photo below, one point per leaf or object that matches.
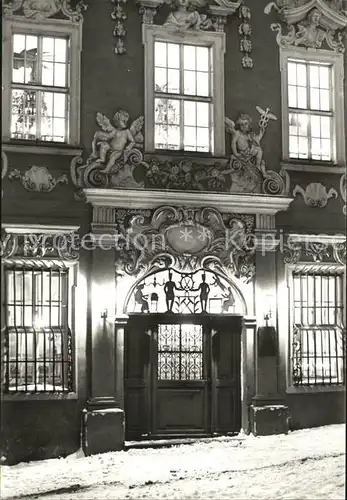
(182, 375)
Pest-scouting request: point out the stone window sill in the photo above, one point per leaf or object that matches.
(317, 167)
(315, 389)
(41, 148)
(38, 396)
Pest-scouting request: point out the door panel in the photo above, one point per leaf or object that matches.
(180, 382)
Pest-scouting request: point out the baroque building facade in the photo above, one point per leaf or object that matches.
(173, 220)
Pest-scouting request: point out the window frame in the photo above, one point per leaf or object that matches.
(215, 40)
(51, 27)
(331, 268)
(338, 126)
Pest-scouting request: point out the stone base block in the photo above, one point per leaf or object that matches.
(269, 419)
(103, 430)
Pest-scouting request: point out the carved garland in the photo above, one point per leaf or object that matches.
(119, 15)
(245, 30)
(38, 179)
(310, 23)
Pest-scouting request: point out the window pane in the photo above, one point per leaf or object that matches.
(59, 129)
(314, 76)
(203, 139)
(59, 105)
(23, 124)
(173, 55)
(203, 114)
(190, 82)
(59, 75)
(292, 96)
(324, 100)
(202, 56)
(325, 127)
(324, 77)
(60, 50)
(160, 54)
(31, 59)
(160, 79)
(202, 84)
(173, 81)
(315, 101)
(315, 126)
(301, 74)
(190, 113)
(47, 73)
(47, 49)
(190, 138)
(189, 54)
(302, 97)
(291, 73)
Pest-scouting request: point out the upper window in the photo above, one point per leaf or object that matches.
(318, 342)
(312, 106)
(184, 98)
(41, 82)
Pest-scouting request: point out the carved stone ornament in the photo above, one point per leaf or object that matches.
(310, 23)
(245, 30)
(49, 246)
(38, 179)
(343, 190)
(43, 9)
(4, 166)
(247, 166)
(315, 194)
(117, 161)
(119, 15)
(339, 253)
(185, 239)
(314, 251)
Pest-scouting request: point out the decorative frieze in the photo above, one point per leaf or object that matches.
(315, 194)
(117, 161)
(37, 179)
(43, 9)
(314, 248)
(309, 23)
(37, 242)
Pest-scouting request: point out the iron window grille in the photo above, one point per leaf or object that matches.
(38, 341)
(180, 352)
(318, 343)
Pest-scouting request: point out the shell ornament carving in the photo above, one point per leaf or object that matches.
(38, 179)
(315, 194)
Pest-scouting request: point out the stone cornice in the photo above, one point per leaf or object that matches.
(38, 229)
(148, 199)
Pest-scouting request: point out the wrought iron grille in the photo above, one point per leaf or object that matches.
(38, 342)
(318, 348)
(180, 352)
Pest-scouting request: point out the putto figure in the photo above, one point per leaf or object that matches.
(185, 17)
(114, 142)
(245, 144)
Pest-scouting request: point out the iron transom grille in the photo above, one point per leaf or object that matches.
(38, 342)
(180, 352)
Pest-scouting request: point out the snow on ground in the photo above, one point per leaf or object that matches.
(308, 464)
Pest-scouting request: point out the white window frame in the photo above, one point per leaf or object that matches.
(338, 127)
(289, 270)
(215, 40)
(51, 27)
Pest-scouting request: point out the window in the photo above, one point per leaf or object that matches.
(41, 81)
(312, 106)
(38, 354)
(318, 343)
(184, 94)
(180, 352)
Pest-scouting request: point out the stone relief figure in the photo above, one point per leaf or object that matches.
(229, 300)
(245, 143)
(184, 17)
(115, 141)
(310, 33)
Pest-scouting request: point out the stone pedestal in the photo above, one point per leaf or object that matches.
(103, 428)
(269, 419)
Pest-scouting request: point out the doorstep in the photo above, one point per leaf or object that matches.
(168, 442)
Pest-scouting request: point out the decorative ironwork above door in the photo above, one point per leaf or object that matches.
(184, 293)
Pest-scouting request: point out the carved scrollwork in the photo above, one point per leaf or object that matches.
(309, 23)
(315, 194)
(292, 253)
(43, 9)
(317, 251)
(37, 179)
(343, 190)
(339, 253)
(186, 239)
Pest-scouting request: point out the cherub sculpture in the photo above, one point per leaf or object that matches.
(310, 33)
(114, 142)
(185, 17)
(245, 144)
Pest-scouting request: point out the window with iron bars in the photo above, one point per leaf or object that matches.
(318, 343)
(38, 343)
